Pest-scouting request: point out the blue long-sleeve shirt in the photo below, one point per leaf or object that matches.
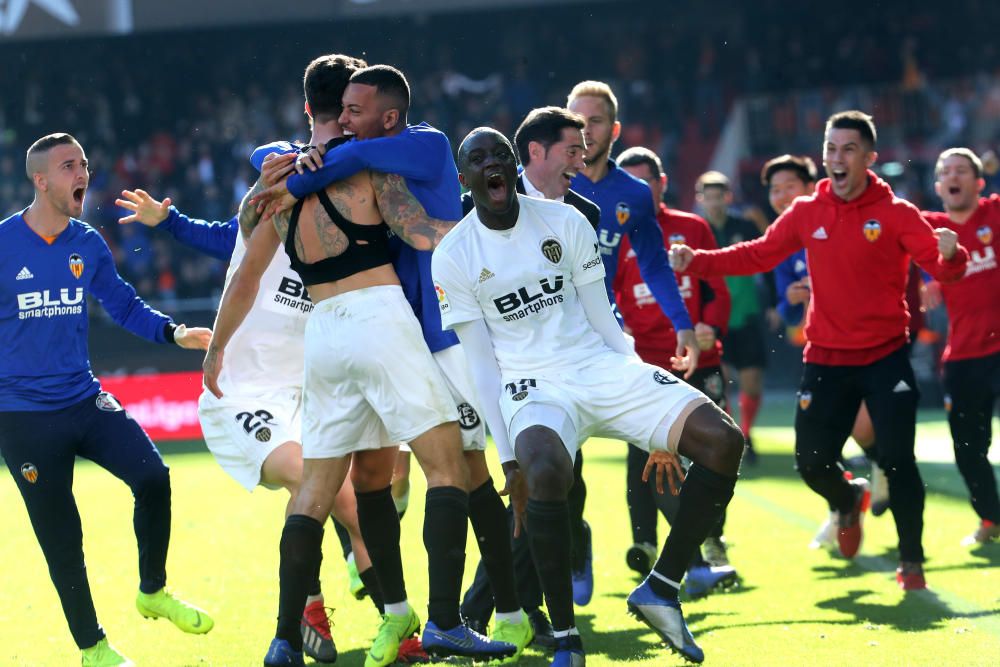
(627, 208)
(422, 155)
(212, 238)
(43, 313)
(792, 269)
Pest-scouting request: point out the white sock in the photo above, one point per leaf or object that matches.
(509, 616)
(313, 598)
(659, 576)
(398, 608)
(559, 634)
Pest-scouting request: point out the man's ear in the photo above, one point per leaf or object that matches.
(616, 131)
(461, 179)
(390, 119)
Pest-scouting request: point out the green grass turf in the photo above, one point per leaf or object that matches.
(796, 606)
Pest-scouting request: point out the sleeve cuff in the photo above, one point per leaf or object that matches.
(168, 332)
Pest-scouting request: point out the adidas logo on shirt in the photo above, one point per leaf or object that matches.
(24, 274)
(820, 234)
(486, 275)
(900, 387)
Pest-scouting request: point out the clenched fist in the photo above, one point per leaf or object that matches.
(947, 242)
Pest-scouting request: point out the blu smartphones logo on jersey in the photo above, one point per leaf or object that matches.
(609, 241)
(981, 260)
(49, 303)
(293, 294)
(529, 300)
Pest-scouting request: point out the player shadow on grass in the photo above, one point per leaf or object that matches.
(917, 611)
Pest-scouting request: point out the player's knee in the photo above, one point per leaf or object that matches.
(549, 478)
(153, 485)
(711, 439)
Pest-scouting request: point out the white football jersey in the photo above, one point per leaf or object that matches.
(523, 284)
(266, 352)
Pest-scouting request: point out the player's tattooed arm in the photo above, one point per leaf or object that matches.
(405, 215)
(332, 239)
(248, 217)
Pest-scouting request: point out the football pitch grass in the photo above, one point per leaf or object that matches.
(794, 607)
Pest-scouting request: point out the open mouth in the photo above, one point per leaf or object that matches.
(569, 176)
(954, 190)
(496, 186)
(839, 177)
(78, 194)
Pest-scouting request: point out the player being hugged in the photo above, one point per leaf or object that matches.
(520, 280)
(52, 408)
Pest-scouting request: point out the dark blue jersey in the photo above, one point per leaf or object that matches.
(786, 273)
(43, 313)
(627, 208)
(422, 155)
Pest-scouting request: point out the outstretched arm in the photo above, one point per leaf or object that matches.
(212, 238)
(405, 215)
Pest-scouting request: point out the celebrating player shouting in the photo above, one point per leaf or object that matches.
(52, 408)
(521, 282)
(859, 239)
(972, 357)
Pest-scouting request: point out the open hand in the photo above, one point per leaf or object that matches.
(145, 209)
(665, 464)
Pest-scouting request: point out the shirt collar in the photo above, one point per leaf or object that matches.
(532, 191)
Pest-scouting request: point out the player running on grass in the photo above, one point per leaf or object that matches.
(52, 408)
(521, 281)
(972, 357)
(859, 239)
(787, 177)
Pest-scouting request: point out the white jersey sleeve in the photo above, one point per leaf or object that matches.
(587, 266)
(456, 300)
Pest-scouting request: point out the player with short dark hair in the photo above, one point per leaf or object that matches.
(52, 408)
(552, 148)
(859, 240)
(787, 177)
(552, 367)
(421, 155)
(972, 356)
(708, 304)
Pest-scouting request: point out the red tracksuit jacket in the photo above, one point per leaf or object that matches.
(858, 254)
(655, 338)
(974, 301)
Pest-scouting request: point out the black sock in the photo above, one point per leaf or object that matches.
(301, 554)
(372, 587)
(641, 501)
(704, 496)
(489, 522)
(380, 531)
(548, 531)
(830, 483)
(577, 498)
(343, 536)
(719, 526)
(446, 527)
(315, 589)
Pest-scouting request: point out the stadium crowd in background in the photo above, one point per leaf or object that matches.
(188, 128)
